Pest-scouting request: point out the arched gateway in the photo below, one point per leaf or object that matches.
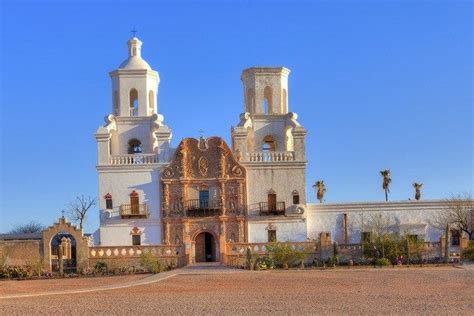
(64, 239)
(203, 196)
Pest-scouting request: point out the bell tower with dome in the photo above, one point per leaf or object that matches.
(135, 84)
(133, 146)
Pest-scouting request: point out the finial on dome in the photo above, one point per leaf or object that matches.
(134, 32)
(134, 45)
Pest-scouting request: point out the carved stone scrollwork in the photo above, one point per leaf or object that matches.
(232, 232)
(222, 165)
(176, 233)
(203, 166)
(237, 171)
(166, 198)
(167, 173)
(197, 227)
(232, 200)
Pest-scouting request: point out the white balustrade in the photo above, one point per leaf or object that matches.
(133, 159)
(271, 156)
(135, 251)
(133, 111)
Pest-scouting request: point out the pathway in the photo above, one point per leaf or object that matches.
(198, 268)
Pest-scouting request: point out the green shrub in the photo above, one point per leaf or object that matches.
(15, 272)
(151, 262)
(101, 267)
(285, 255)
(383, 262)
(392, 245)
(264, 263)
(468, 253)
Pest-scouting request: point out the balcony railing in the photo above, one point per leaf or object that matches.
(134, 159)
(134, 210)
(202, 208)
(277, 208)
(271, 156)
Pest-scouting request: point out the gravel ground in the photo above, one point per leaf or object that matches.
(35, 286)
(376, 291)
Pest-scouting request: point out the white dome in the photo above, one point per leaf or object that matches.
(134, 62)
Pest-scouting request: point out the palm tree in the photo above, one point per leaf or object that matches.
(321, 188)
(417, 187)
(386, 182)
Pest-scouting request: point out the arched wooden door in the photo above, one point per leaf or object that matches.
(205, 247)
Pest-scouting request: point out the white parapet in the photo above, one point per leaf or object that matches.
(133, 159)
(271, 156)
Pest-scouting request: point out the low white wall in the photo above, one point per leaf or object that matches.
(330, 218)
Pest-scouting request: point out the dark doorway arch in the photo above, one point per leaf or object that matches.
(205, 247)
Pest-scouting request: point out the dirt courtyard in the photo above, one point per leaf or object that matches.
(368, 291)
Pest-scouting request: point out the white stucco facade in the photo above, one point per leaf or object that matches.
(134, 147)
(406, 217)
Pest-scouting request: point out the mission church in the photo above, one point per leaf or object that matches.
(206, 193)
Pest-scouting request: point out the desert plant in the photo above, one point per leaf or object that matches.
(320, 190)
(335, 255)
(285, 255)
(151, 262)
(264, 263)
(15, 272)
(36, 266)
(383, 262)
(386, 182)
(468, 253)
(417, 187)
(101, 267)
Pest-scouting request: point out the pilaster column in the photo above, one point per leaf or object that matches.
(222, 197)
(166, 199)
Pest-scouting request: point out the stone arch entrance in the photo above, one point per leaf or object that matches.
(205, 248)
(65, 229)
(63, 245)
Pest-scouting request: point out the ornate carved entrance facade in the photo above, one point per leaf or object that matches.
(203, 196)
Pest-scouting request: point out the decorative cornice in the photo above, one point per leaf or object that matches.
(131, 168)
(133, 72)
(378, 206)
(273, 164)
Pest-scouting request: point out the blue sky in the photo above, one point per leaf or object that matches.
(378, 84)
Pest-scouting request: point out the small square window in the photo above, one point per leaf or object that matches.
(109, 204)
(136, 240)
(272, 236)
(296, 199)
